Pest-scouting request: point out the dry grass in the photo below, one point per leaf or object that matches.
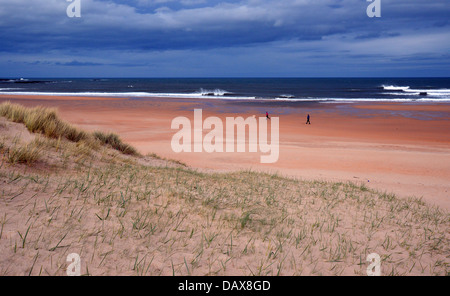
(178, 162)
(127, 218)
(23, 153)
(42, 120)
(46, 122)
(115, 142)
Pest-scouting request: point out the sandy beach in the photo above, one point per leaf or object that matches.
(225, 139)
(398, 148)
(70, 187)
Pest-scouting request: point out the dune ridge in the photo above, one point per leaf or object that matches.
(144, 215)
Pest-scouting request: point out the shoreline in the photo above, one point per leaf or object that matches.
(394, 147)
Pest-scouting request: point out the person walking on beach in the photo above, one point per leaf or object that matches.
(307, 120)
(267, 115)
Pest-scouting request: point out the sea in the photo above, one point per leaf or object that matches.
(322, 90)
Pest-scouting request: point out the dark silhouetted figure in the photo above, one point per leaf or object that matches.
(267, 115)
(307, 120)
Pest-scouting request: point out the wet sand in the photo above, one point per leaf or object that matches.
(399, 148)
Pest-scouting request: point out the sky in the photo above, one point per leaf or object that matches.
(229, 38)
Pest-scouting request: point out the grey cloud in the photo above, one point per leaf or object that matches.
(108, 24)
(192, 32)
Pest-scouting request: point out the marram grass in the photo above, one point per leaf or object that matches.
(46, 122)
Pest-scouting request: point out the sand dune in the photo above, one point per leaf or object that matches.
(128, 214)
(399, 148)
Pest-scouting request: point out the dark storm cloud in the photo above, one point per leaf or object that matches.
(42, 25)
(76, 63)
(40, 28)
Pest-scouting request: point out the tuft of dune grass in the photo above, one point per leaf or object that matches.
(42, 120)
(46, 122)
(115, 142)
(23, 154)
(18, 152)
(28, 154)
